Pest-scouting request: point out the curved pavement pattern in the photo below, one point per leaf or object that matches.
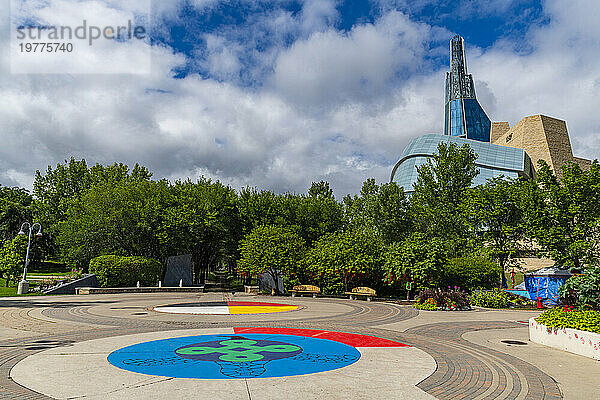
(460, 369)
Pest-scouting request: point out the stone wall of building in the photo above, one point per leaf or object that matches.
(583, 163)
(543, 138)
(498, 129)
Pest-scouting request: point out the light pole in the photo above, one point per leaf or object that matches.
(24, 285)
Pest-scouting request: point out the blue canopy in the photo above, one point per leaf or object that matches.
(545, 284)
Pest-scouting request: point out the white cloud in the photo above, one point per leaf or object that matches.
(337, 106)
(559, 77)
(333, 67)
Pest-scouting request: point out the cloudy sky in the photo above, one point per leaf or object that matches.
(277, 94)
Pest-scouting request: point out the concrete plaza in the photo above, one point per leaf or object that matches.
(57, 347)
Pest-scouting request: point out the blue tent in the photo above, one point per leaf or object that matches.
(544, 284)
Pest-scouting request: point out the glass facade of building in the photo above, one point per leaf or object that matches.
(464, 116)
(493, 160)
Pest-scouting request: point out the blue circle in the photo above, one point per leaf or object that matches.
(234, 356)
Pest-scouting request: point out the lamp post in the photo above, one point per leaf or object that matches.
(24, 285)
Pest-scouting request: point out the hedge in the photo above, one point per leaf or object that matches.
(117, 271)
(588, 320)
(495, 298)
(472, 272)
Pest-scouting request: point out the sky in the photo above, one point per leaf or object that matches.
(278, 94)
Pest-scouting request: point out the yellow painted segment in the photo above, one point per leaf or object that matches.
(259, 309)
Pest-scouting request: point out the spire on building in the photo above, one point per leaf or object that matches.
(464, 117)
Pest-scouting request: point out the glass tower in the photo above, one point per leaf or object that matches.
(464, 117)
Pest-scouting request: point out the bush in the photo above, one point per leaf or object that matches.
(472, 272)
(587, 320)
(451, 299)
(117, 271)
(495, 298)
(428, 305)
(12, 258)
(583, 291)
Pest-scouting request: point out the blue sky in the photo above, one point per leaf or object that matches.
(277, 94)
(243, 23)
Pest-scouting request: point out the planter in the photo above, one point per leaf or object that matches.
(584, 343)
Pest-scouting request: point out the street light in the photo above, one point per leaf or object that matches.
(27, 228)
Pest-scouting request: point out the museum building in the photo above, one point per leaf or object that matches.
(502, 150)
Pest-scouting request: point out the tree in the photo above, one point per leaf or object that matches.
(342, 260)
(382, 210)
(495, 216)
(563, 217)
(201, 219)
(16, 207)
(12, 258)
(123, 218)
(440, 189)
(310, 216)
(270, 249)
(314, 215)
(55, 189)
(419, 259)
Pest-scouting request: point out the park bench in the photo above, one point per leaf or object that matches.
(362, 291)
(305, 289)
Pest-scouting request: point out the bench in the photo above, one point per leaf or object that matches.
(305, 289)
(362, 291)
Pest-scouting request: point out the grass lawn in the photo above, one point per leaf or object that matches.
(11, 291)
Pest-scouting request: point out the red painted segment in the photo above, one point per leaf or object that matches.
(346, 338)
(251, 303)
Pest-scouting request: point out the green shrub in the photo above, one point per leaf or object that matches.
(495, 298)
(117, 271)
(472, 272)
(587, 320)
(428, 305)
(583, 291)
(450, 300)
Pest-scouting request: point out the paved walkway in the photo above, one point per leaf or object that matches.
(457, 355)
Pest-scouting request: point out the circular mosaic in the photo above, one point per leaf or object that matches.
(226, 308)
(235, 356)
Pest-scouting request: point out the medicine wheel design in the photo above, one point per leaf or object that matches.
(247, 353)
(226, 308)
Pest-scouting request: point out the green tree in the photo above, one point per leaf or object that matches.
(270, 249)
(310, 216)
(314, 215)
(122, 218)
(440, 189)
(201, 219)
(382, 210)
(563, 217)
(57, 187)
(419, 259)
(16, 207)
(257, 208)
(343, 260)
(495, 215)
(12, 259)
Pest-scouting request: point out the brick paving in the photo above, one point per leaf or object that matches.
(464, 370)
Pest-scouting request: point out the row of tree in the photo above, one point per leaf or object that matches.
(381, 236)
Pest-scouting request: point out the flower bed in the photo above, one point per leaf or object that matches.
(576, 341)
(567, 317)
(497, 298)
(452, 299)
